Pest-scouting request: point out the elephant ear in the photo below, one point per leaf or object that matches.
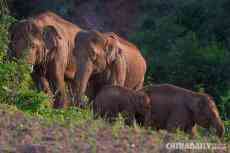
(196, 104)
(97, 41)
(51, 37)
(24, 30)
(112, 47)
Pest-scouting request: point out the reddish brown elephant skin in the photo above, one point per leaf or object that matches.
(50, 67)
(113, 100)
(174, 107)
(107, 59)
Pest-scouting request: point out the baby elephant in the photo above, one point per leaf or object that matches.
(112, 100)
(174, 107)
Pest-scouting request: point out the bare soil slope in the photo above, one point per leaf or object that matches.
(21, 133)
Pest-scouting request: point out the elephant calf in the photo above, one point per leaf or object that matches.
(174, 107)
(112, 100)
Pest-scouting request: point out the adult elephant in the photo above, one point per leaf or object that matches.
(106, 59)
(46, 41)
(173, 107)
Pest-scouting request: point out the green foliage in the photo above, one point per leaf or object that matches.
(16, 85)
(225, 105)
(5, 22)
(14, 78)
(32, 101)
(186, 44)
(66, 117)
(227, 131)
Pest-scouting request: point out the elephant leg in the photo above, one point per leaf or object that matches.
(129, 115)
(36, 79)
(139, 85)
(192, 131)
(42, 83)
(59, 89)
(90, 91)
(173, 123)
(110, 116)
(45, 86)
(178, 121)
(94, 87)
(71, 91)
(60, 97)
(129, 120)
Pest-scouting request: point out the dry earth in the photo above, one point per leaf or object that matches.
(20, 133)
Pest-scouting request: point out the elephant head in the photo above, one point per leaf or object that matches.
(26, 41)
(94, 52)
(142, 108)
(30, 42)
(205, 113)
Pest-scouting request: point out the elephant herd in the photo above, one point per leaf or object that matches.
(72, 62)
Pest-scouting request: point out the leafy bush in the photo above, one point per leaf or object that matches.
(5, 22)
(225, 106)
(67, 117)
(14, 77)
(32, 101)
(16, 85)
(227, 131)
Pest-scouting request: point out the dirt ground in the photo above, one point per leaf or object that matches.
(20, 133)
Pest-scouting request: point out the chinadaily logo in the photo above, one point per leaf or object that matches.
(195, 146)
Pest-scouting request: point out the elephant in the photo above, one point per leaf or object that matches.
(106, 59)
(112, 100)
(46, 42)
(174, 107)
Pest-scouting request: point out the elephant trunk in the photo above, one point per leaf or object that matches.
(83, 76)
(219, 126)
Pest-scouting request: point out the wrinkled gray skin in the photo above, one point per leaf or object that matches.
(106, 59)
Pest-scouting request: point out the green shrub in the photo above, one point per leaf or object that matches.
(5, 22)
(16, 85)
(67, 117)
(227, 131)
(32, 101)
(225, 106)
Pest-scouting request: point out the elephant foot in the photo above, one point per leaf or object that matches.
(58, 104)
(80, 104)
(83, 105)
